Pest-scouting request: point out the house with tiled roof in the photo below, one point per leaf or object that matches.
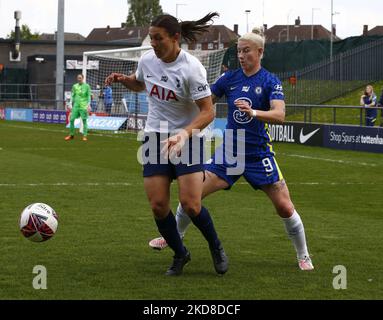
(377, 31)
(130, 35)
(68, 36)
(218, 37)
(298, 32)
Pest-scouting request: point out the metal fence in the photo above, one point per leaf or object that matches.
(36, 96)
(332, 114)
(332, 78)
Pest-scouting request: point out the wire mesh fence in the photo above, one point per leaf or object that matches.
(334, 77)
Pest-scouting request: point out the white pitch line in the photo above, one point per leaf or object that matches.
(65, 184)
(127, 184)
(65, 131)
(327, 183)
(63, 148)
(330, 160)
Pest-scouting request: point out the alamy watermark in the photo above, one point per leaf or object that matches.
(194, 151)
(40, 280)
(340, 280)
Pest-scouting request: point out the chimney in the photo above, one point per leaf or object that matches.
(298, 22)
(236, 28)
(123, 24)
(107, 28)
(334, 30)
(264, 27)
(365, 30)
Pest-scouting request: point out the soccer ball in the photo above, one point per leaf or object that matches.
(38, 222)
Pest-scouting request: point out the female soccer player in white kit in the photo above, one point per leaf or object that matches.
(255, 98)
(179, 98)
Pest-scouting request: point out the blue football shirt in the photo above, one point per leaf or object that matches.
(257, 90)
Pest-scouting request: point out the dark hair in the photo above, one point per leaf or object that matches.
(188, 29)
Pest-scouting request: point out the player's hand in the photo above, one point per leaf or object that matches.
(89, 109)
(244, 106)
(115, 77)
(173, 145)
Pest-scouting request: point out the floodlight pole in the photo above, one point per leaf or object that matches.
(332, 14)
(331, 39)
(247, 20)
(60, 56)
(312, 22)
(288, 25)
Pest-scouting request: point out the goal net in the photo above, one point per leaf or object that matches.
(117, 109)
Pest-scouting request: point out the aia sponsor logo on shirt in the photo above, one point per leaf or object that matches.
(162, 93)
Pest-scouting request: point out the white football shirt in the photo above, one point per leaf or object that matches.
(172, 89)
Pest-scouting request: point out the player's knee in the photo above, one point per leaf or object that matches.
(285, 209)
(191, 207)
(159, 208)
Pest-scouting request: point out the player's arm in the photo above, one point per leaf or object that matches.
(205, 116)
(214, 98)
(88, 94)
(276, 114)
(129, 82)
(174, 144)
(72, 95)
(361, 100)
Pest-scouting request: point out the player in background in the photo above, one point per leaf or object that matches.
(368, 99)
(179, 97)
(81, 98)
(255, 98)
(107, 93)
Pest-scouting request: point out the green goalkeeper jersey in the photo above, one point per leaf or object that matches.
(81, 95)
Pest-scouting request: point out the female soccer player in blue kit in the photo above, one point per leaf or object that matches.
(254, 97)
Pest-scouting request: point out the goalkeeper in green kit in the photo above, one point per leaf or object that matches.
(81, 95)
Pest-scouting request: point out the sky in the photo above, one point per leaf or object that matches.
(81, 16)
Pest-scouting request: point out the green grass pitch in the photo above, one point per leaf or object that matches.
(101, 248)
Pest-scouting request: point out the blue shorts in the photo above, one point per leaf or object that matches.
(191, 160)
(257, 171)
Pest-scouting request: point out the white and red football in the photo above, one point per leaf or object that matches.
(38, 222)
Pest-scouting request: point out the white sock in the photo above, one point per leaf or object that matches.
(183, 220)
(296, 231)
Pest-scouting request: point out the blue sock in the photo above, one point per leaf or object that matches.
(168, 229)
(205, 224)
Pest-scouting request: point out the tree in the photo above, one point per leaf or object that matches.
(25, 34)
(142, 12)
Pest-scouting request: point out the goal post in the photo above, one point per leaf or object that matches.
(117, 109)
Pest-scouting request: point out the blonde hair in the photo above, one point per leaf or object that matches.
(371, 87)
(256, 36)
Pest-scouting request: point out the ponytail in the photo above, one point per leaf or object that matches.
(187, 29)
(190, 29)
(256, 36)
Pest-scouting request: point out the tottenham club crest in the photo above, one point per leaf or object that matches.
(242, 117)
